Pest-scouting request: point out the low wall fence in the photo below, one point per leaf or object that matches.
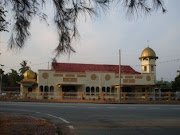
(100, 96)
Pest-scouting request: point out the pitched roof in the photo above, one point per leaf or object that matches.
(75, 67)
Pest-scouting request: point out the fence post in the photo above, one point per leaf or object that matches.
(9, 94)
(61, 95)
(81, 95)
(26, 93)
(43, 95)
(124, 95)
(169, 96)
(102, 96)
(146, 95)
(159, 95)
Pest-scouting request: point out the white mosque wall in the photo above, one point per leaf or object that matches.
(106, 79)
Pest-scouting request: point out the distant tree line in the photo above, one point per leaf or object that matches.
(10, 79)
(176, 82)
(170, 86)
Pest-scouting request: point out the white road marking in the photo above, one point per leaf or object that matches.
(57, 118)
(65, 121)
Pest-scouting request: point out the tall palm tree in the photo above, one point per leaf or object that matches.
(24, 67)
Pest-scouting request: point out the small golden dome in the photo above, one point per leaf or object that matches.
(148, 53)
(29, 74)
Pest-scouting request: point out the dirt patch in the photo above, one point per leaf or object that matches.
(11, 124)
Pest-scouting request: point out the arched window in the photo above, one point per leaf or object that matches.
(152, 68)
(112, 89)
(46, 89)
(41, 88)
(143, 89)
(103, 89)
(92, 90)
(108, 89)
(97, 89)
(145, 68)
(29, 89)
(51, 90)
(116, 89)
(88, 90)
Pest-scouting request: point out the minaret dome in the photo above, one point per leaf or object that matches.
(29, 74)
(148, 53)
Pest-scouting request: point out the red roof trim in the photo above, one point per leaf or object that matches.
(75, 67)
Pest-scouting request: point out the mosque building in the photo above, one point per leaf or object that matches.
(69, 79)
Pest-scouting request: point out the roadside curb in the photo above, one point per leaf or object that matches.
(94, 101)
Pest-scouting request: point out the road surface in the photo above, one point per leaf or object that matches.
(103, 119)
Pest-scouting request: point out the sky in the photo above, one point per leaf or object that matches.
(100, 40)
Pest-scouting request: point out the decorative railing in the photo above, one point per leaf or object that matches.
(103, 96)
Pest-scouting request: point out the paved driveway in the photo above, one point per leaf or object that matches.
(104, 119)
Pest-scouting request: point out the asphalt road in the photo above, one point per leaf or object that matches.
(104, 119)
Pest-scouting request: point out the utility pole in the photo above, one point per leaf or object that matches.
(100, 82)
(1, 85)
(119, 76)
(1, 74)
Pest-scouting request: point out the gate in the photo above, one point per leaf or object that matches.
(71, 95)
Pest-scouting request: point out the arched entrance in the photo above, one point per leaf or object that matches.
(70, 91)
(46, 92)
(69, 88)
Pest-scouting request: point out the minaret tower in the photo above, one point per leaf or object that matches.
(148, 61)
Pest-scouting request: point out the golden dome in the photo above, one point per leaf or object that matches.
(148, 53)
(29, 74)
